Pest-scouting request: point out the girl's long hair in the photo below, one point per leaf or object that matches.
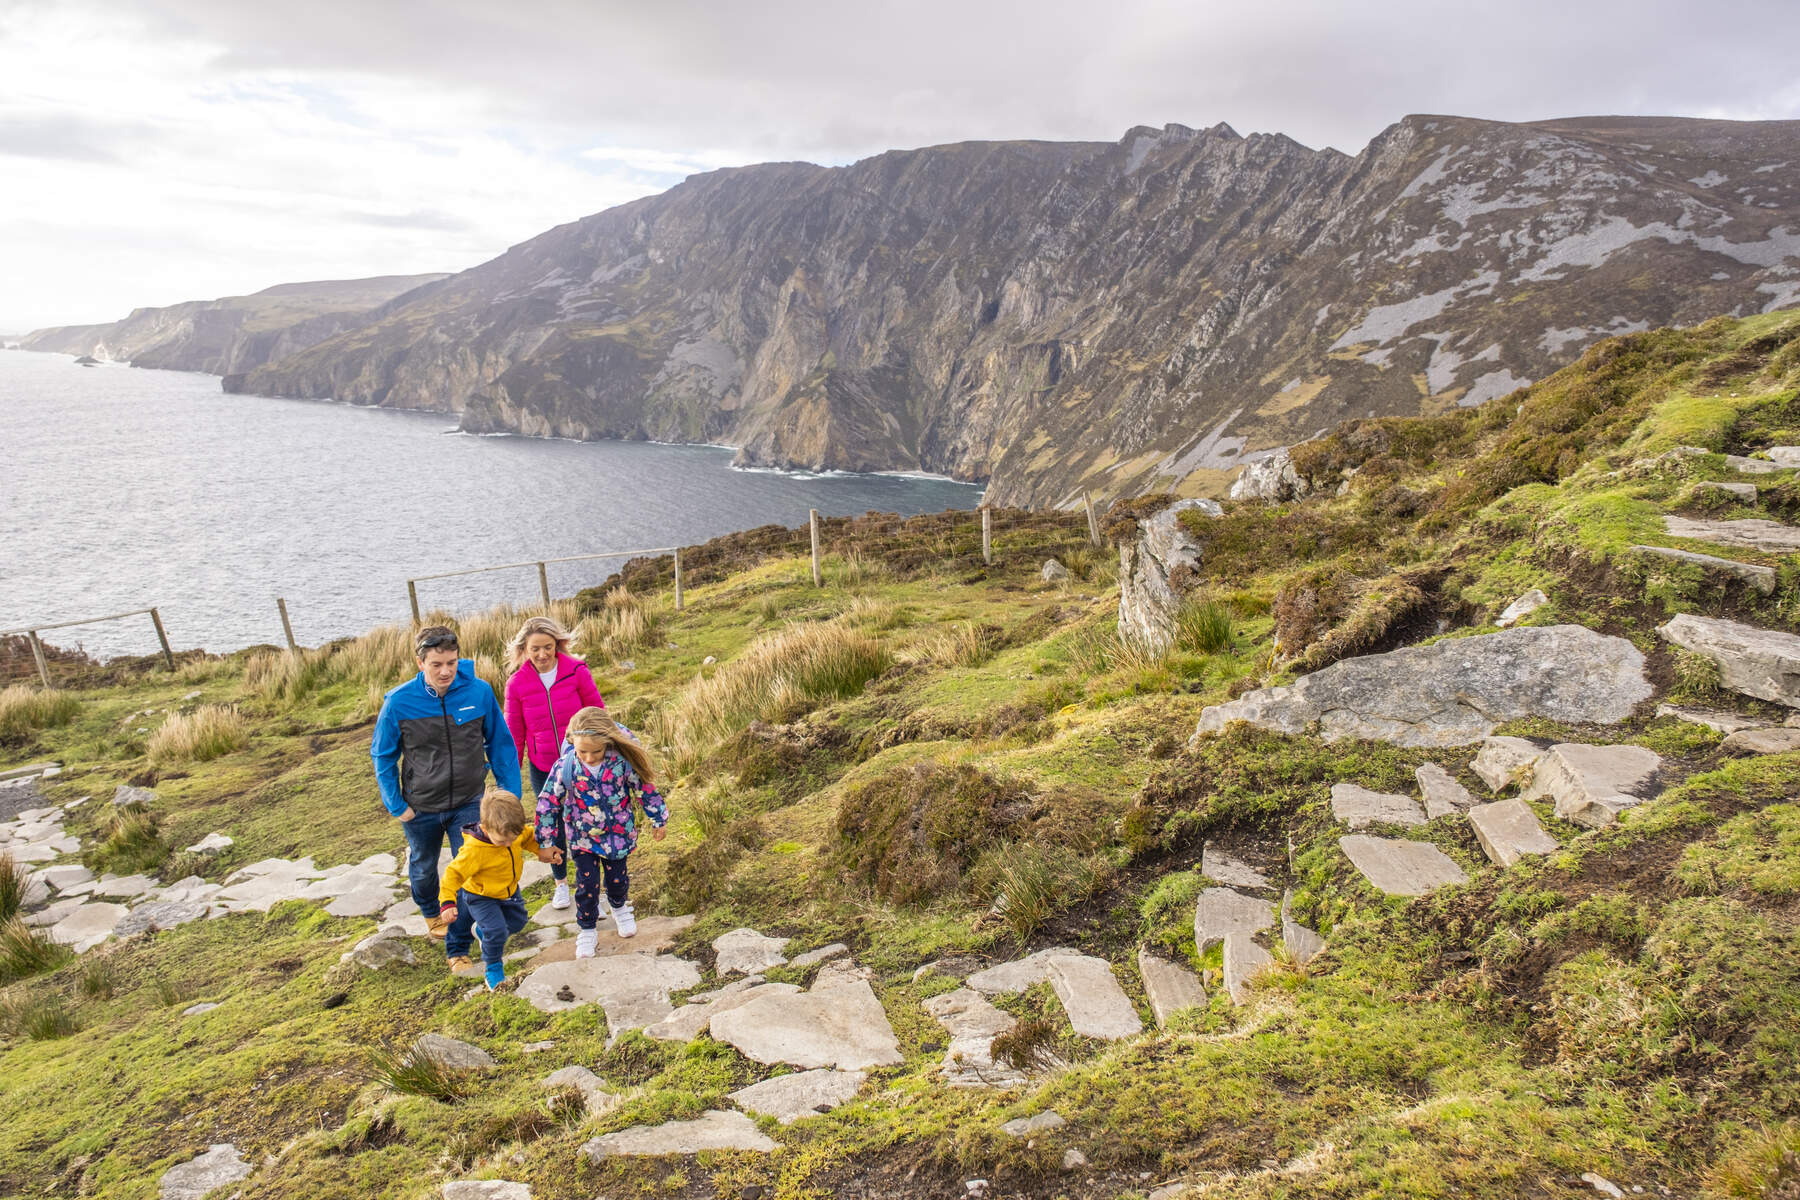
(534, 625)
(592, 722)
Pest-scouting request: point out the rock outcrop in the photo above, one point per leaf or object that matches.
(1453, 692)
(1153, 567)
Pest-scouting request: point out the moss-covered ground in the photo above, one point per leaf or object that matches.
(1628, 1006)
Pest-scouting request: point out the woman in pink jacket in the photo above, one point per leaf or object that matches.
(548, 686)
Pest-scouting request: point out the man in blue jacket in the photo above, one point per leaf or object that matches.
(436, 738)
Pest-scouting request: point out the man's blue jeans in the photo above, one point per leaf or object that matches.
(424, 839)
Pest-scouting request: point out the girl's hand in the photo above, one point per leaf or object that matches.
(549, 854)
(659, 833)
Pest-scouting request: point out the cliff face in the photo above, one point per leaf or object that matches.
(235, 333)
(1145, 315)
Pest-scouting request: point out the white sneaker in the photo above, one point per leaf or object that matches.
(561, 899)
(584, 942)
(626, 919)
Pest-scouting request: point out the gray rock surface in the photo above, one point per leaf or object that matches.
(1221, 911)
(1770, 537)
(1508, 830)
(1759, 577)
(194, 1010)
(1043, 1122)
(1229, 870)
(65, 877)
(1053, 571)
(486, 1189)
(789, 1098)
(1170, 987)
(125, 794)
(1017, 975)
(1243, 960)
(843, 1027)
(452, 1053)
(219, 1167)
(1455, 691)
(822, 954)
(633, 989)
(1504, 761)
(745, 951)
(691, 1020)
(87, 926)
(123, 887)
(1151, 567)
(1401, 868)
(210, 844)
(1712, 718)
(385, 947)
(1359, 808)
(1784, 456)
(1442, 794)
(1096, 1005)
(1271, 479)
(714, 1130)
(1778, 740)
(1592, 785)
(1521, 608)
(1764, 663)
(973, 1024)
(1745, 492)
(158, 915)
(1302, 943)
(840, 972)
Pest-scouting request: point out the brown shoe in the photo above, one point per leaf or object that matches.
(436, 927)
(460, 964)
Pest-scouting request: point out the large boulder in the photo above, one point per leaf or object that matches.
(1273, 479)
(1453, 692)
(1764, 663)
(1151, 570)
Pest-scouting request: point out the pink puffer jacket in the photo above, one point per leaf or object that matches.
(539, 716)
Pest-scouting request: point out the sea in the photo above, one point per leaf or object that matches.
(123, 488)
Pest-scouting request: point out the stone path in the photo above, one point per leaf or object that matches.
(1508, 830)
(1230, 870)
(1443, 796)
(1170, 987)
(632, 989)
(1401, 868)
(1096, 1005)
(840, 1026)
(973, 1024)
(1360, 808)
(789, 1098)
(1504, 761)
(745, 952)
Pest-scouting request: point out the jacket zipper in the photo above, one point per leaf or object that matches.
(550, 703)
(449, 744)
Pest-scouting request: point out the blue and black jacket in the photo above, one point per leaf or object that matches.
(433, 752)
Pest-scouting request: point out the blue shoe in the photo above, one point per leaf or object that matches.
(496, 975)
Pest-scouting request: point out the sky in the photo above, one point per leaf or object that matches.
(154, 151)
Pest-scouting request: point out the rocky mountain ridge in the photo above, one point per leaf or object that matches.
(232, 333)
(1126, 317)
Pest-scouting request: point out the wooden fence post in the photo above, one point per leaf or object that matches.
(987, 535)
(37, 652)
(168, 656)
(286, 627)
(412, 593)
(818, 578)
(544, 585)
(678, 579)
(1093, 521)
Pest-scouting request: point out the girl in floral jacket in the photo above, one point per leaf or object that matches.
(588, 798)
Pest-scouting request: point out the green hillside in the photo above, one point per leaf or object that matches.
(935, 761)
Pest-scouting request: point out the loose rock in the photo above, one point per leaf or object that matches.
(1170, 987)
(1053, 571)
(973, 1024)
(1764, 663)
(743, 951)
(1508, 830)
(710, 1131)
(1521, 608)
(1359, 808)
(1593, 784)
(789, 1098)
(822, 954)
(1762, 741)
(1221, 911)
(1231, 871)
(1044, 1122)
(1712, 718)
(451, 1053)
(1401, 868)
(844, 1027)
(124, 794)
(192, 1180)
(210, 844)
(1504, 761)
(1097, 1006)
(1151, 567)
(1443, 795)
(385, 947)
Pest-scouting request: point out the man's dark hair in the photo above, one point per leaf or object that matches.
(434, 637)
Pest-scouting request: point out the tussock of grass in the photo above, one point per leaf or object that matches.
(1202, 626)
(1765, 1166)
(24, 710)
(39, 1015)
(413, 1073)
(210, 731)
(12, 887)
(96, 980)
(134, 843)
(1028, 884)
(621, 627)
(26, 951)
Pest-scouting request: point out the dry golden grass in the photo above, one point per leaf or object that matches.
(206, 733)
(25, 709)
(623, 626)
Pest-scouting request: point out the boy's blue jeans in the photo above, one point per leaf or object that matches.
(494, 920)
(424, 839)
(558, 871)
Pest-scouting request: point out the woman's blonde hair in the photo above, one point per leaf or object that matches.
(534, 625)
(502, 815)
(593, 725)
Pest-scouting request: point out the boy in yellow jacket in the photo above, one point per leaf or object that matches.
(480, 888)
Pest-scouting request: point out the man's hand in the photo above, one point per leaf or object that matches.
(407, 813)
(447, 914)
(659, 833)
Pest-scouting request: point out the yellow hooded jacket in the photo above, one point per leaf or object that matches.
(484, 869)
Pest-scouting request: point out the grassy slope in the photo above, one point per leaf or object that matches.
(1626, 1006)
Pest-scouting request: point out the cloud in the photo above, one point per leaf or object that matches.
(423, 219)
(61, 136)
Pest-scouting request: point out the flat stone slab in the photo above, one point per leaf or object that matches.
(1221, 911)
(452, 1053)
(65, 877)
(1097, 1006)
(1302, 943)
(1359, 808)
(822, 954)
(1244, 960)
(655, 935)
(1508, 830)
(1592, 785)
(1764, 663)
(1017, 975)
(159, 915)
(1737, 491)
(192, 1180)
(1777, 740)
(633, 989)
(789, 1098)
(1784, 456)
(1751, 466)
(745, 952)
(1230, 870)
(486, 1189)
(65, 907)
(406, 916)
(843, 1027)
(194, 1010)
(88, 926)
(1047, 1121)
(1504, 761)
(1400, 868)
(1442, 794)
(1521, 608)
(387, 946)
(1170, 987)
(1770, 537)
(1759, 577)
(973, 1024)
(691, 1020)
(1453, 692)
(714, 1130)
(124, 794)
(1713, 718)
(210, 844)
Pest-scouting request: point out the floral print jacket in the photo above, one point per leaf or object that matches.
(594, 805)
